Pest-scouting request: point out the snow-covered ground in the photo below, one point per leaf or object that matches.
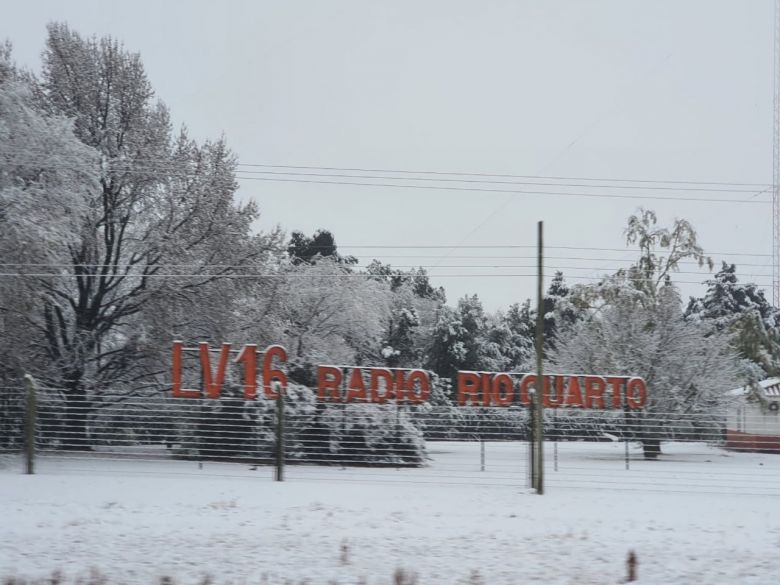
(701, 515)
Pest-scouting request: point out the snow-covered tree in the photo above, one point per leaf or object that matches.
(520, 320)
(744, 310)
(559, 310)
(7, 67)
(44, 170)
(468, 338)
(322, 313)
(635, 326)
(688, 366)
(398, 348)
(661, 250)
(416, 279)
(158, 207)
(457, 337)
(414, 305)
(304, 249)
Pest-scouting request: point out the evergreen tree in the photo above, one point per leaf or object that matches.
(726, 299)
(743, 310)
(520, 321)
(416, 279)
(558, 309)
(467, 338)
(304, 249)
(448, 350)
(474, 323)
(398, 348)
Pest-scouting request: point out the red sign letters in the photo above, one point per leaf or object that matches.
(348, 384)
(560, 390)
(273, 378)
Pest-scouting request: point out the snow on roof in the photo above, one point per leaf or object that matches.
(770, 388)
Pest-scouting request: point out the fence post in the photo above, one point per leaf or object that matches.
(280, 435)
(31, 415)
(628, 464)
(625, 433)
(482, 454)
(631, 565)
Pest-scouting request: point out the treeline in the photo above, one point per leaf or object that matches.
(119, 233)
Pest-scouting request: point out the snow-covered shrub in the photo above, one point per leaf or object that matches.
(356, 434)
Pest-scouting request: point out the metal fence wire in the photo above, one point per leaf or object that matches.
(732, 451)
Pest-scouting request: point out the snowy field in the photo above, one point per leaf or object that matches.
(701, 515)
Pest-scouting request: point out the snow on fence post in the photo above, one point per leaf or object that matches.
(29, 424)
(279, 476)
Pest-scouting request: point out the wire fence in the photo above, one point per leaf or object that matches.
(736, 450)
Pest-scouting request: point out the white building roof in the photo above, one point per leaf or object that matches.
(770, 388)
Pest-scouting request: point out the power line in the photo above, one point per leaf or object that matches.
(36, 154)
(499, 175)
(495, 182)
(486, 247)
(509, 191)
(405, 257)
(364, 266)
(505, 246)
(44, 154)
(171, 167)
(329, 276)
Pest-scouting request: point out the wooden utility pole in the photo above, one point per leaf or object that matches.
(539, 394)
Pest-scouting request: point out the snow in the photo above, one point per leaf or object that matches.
(388, 352)
(701, 515)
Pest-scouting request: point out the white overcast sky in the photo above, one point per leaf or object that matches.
(657, 90)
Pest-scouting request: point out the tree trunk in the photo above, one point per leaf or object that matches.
(651, 448)
(646, 429)
(74, 434)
